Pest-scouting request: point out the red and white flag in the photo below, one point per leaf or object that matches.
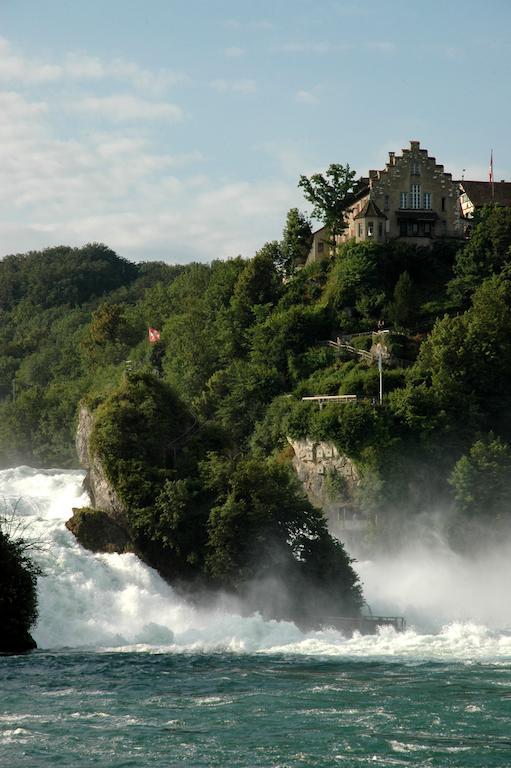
(153, 335)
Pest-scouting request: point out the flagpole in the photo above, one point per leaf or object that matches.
(491, 182)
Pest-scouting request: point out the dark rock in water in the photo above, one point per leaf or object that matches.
(14, 643)
(97, 531)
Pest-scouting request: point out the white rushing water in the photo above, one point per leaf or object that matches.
(458, 608)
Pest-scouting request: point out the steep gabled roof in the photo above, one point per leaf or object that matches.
(480, 192)
(370, 209)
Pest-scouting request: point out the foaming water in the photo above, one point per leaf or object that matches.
(115, 602)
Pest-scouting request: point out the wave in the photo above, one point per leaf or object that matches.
(116, 602)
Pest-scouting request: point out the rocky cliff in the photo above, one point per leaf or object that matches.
(102, 495)
(330, 480)
(104, 528)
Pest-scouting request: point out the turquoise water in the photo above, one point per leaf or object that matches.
(142, 709)
(129, 674)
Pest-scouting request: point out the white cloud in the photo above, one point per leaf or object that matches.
(382, 46)
(306, 47)
(121, 107)
(243, 86)
(233, 52)
(116, 188)
(15, 106)
(262, 24)
(350, 9)
(306, 97)
(16, 67)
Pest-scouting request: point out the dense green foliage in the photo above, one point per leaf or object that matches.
(330, 194)
(18, 598)
(192, 430)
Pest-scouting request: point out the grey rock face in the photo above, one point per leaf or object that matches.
(103, 496)
(320, 467)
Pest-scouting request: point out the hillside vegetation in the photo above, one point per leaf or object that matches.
(193, 429)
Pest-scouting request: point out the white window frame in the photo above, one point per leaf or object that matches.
(415, 196)
(427, 201)
(403, 199)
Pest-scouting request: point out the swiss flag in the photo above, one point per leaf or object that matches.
(153, 335)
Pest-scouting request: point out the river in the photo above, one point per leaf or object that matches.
(129, 674)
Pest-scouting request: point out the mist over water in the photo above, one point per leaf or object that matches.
(432, 586)
(456, 608)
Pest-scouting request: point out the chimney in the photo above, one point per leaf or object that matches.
(414, 145)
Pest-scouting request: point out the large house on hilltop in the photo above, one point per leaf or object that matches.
(413, 198)
(475, 194)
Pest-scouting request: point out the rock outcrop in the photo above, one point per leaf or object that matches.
(104, 527)
(328, 477)
(96, 483)
(330, 480)
(97, 531)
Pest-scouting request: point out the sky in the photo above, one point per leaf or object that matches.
(177, 130)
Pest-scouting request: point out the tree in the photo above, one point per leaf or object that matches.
(263, 529)
(487, 252)
(18, 596)
(330, 194)
(354, 276)
(296, 241)
(481, 479)
(402, 309)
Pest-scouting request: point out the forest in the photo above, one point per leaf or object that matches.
(193, 430)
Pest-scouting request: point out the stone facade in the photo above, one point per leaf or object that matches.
(413, 199)
(321, 245)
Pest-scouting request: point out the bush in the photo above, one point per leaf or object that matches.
(18, 596)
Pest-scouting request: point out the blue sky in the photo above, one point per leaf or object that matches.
(177, 130)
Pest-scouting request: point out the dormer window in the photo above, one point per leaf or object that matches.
(416, 168)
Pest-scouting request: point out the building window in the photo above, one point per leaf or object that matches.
(403, 200)
(380, 229)
(402, 228)
(443, 203)
(416, 169)
(427, 200)
(370, 228)
(321, 247)
(415, 195)
(386, 204)
(360, 230)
